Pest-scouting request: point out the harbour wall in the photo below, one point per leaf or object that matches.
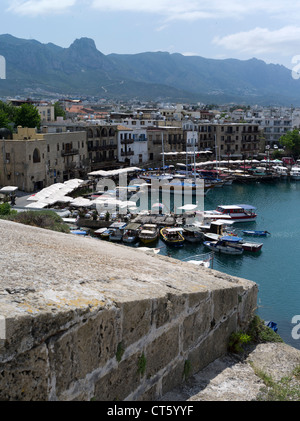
(83, 319)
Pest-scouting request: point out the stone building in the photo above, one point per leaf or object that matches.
(32, 161)
(229, 140)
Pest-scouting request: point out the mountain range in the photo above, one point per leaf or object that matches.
(82, 70)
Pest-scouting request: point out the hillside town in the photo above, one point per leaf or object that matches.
(92, 135)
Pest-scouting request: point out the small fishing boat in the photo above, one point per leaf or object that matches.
(78, 232)
(256, 233)
(117, 231)
(204, 260)
(192, 234)
(104, 235)
(131, 233)
(252, 247)
(172, 236)
(148, 233)
(227, 245)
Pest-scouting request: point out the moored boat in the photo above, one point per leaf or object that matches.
(131, 233)
(227, 245)
(256, 233)
(252, 247)
(148, 233)
(235, 213)
(192, 234)
(172, 236)
(295, 173)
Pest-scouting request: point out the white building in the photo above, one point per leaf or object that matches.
(132, 146)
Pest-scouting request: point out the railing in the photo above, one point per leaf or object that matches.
(70, 152)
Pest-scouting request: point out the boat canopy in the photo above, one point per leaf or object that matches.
(231, 238)
(247, 207)
(133, 226)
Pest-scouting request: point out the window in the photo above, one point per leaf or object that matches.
(36, 156)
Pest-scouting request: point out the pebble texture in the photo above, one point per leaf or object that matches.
(88, 319)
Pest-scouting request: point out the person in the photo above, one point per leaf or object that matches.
(13, 199)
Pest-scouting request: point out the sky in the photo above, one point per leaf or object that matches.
(265, 29)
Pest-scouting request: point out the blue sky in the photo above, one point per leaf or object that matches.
(265, 29)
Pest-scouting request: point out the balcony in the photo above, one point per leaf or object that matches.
(128, 153)
(70, 152)
(127, 141)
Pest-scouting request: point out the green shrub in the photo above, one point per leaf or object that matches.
(260, 333)
(42, 219)
(5, 209)
(237, 340)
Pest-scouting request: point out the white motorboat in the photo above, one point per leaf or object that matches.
(227, 245)
(295, 173)
(235, 213)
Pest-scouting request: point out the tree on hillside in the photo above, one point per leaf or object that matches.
(291, 141)
(27, 116)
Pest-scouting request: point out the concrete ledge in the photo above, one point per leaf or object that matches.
(106, 321)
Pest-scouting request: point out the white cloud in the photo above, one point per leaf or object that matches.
(190, 10)
(40, 7)
(284, 41)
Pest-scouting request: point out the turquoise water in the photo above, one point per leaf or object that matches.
(276, 269)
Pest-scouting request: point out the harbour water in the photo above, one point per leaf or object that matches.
(276, 269)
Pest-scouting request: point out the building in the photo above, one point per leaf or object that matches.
(132, 146)
(228, 140)
(32, 161)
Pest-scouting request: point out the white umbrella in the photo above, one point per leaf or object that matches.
(188, 207)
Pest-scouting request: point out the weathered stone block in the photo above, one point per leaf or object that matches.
(224, 301)
(136, 320)
(84, 349)
(26, 378)
(161, 351)
(196, 325)
(168, 308)
(213, 346)
(174, 377)
(119, 382)
(197, 298)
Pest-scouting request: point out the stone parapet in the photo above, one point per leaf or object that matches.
(86, 319)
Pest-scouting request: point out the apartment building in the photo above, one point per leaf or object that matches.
(132, 146)
(234, 140)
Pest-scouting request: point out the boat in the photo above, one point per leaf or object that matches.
(227, 245)
(148, 233)
(117, 229)
(172, 236)
(282, 171)
(201, 260)
(255, 233)
(235, 213)
(131, 233)
(192, 234)
(78, 232)
(295, 173)
(149, 249)
(104, 235)
(252, 247)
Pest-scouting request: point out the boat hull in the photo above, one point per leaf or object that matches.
(221, 249)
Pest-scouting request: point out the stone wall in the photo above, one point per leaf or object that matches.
(86, 319)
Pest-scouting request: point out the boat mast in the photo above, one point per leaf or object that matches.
(163, 152)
